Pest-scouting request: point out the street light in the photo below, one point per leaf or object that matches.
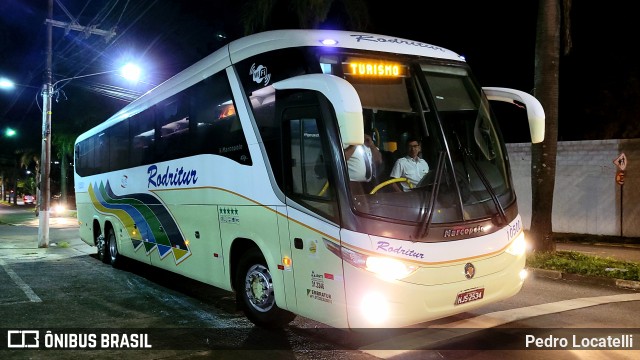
(9, 132)
(6, 84)
(130, 72)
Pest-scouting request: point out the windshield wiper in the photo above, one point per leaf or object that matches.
(425, 223)
(483, 179)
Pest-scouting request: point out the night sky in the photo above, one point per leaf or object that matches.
(599, 81)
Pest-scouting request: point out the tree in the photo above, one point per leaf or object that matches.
(262, 15)
(546, 89)
(26, 158)
(63, 142)
(6, 169)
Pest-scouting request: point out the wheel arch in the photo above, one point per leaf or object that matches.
(239, 247)
(97, 230)
(108, 226)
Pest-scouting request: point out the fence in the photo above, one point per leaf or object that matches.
(587, 199)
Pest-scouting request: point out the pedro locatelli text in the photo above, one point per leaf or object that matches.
(577, 342)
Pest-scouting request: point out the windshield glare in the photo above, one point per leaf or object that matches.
(428, 117)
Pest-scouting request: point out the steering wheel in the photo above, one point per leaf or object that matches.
(389, 182)
(324, 188)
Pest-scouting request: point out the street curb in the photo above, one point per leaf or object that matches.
(559, 275)
(600, 243)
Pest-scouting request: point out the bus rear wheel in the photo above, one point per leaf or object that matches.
(115, 259)
(101, 245)
(255, 293)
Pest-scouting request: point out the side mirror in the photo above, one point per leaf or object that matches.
(535, 112)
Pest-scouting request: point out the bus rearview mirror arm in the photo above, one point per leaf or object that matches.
(535, 112)
(343, 97)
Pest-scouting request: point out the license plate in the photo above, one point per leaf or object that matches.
(469, 295)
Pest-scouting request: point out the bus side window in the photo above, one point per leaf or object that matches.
(142, 133)
(85, 159)
(172, 119)
(308, 179)
(119, 146)
(101, 153)
(214, 125)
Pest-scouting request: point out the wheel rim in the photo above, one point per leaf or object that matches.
(259, 288)
(113, 248)
(100, 246)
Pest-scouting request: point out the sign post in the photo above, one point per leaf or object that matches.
(621, 163)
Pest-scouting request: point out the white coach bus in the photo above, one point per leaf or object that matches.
(234, 172)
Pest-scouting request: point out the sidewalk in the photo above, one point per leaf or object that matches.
(19, 241)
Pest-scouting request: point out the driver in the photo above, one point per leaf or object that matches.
(412, 166)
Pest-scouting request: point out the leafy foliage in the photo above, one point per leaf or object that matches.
(581, 264)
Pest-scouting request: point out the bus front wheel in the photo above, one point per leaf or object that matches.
(255, 293)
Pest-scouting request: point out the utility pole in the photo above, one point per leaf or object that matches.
(44, 200)
(45, 158)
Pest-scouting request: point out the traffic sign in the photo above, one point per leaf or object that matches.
(620, 177)
(621, 162)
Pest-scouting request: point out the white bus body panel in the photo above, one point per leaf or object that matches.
(277, 39)
(441, 270)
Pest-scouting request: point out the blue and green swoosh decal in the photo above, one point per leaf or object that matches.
(147, 221)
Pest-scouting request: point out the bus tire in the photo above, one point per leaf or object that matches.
(114, 258)
(101, 245)
(255, 293)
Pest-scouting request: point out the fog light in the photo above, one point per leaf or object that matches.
(375, 308)
(523, 274)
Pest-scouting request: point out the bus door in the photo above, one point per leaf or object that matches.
(312, 209)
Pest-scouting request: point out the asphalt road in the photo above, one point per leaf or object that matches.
(66, 290)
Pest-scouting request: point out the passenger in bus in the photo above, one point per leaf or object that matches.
(412, 166)
(363, 161)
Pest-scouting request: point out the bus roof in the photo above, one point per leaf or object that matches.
(251, 45)
(257, 43)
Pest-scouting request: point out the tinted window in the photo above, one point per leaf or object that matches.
(142, 139)
(172, 118)
(199, 120)
(119, 146)
(215, 126)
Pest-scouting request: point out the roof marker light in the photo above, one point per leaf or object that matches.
(329, 42)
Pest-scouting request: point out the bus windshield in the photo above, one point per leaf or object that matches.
(437, 151)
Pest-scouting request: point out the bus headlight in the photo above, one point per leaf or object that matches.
(389, 268)
(518, 246)
(385, 267)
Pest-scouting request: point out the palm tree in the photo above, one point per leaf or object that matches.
(5, 171)
(63, 142)
(551, 14)
(28, 157)
(262, 15)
